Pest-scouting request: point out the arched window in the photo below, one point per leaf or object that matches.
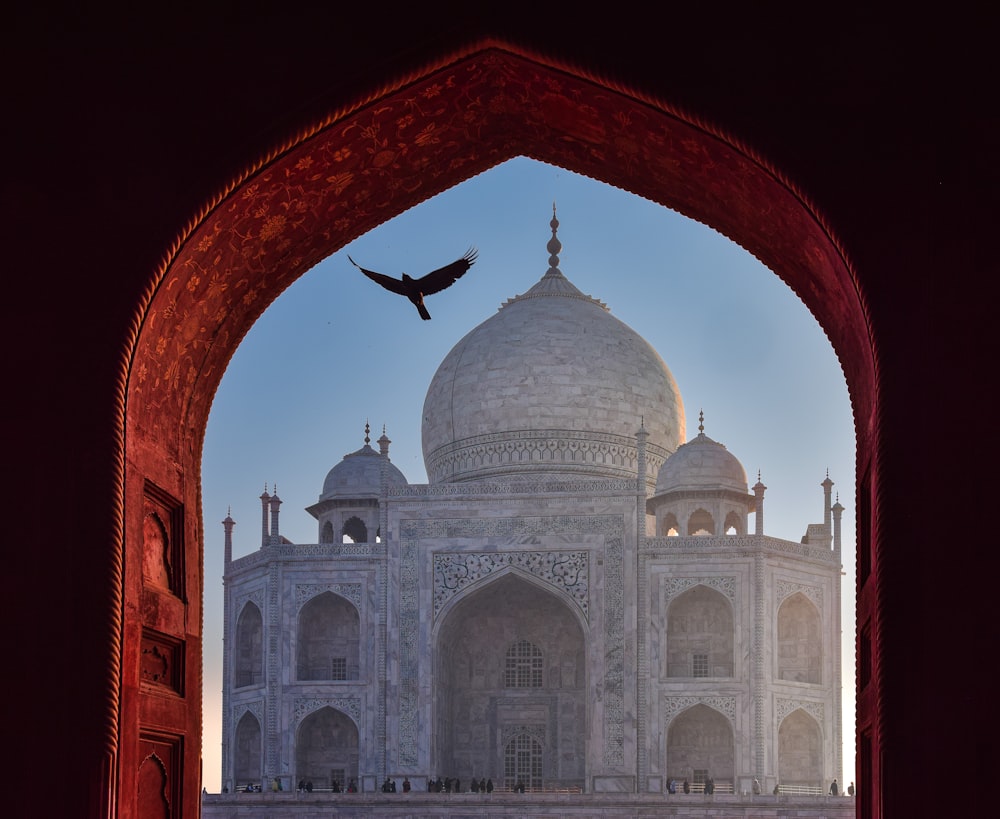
(355, 531)
(329, 635)
(249, 647)
(700, 634)
(800, 641)
(523, 668)
(701, 523)
(734, 524)
(522, 762)
(670, 527)
(326, 536)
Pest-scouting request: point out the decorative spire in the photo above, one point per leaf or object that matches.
(758, 491)
(701, 422)
(554, 245)
(367, 430)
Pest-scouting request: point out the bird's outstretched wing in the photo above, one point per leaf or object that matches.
(438, 280)
(388, 282)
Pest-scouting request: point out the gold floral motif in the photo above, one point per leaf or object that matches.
(340, 181)
(273, 226)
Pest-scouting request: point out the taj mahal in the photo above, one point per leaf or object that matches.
(581, 598)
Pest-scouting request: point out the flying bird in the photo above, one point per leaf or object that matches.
(416, 289)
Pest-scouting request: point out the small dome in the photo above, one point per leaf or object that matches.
(701, 463)
(359, 475)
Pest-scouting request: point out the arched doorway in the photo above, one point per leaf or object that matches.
(701, 744)
(249, 647)
(328, 639)
(247, 767)
(326, 749)
(510, 687)
(700, 634)
(800, 751)
(245, 249)
(800, 640)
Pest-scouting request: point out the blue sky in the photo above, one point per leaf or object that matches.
(336, 350)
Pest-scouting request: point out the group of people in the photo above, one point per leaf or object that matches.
(449, 785)
(835, 788)
(337, 787)
(709, 786)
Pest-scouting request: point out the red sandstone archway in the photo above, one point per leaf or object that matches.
(320, 191)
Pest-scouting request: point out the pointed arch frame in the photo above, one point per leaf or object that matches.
(355, 169)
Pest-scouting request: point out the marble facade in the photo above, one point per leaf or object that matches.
(574, 600)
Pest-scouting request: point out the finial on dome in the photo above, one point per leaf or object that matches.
(554, 245)
(701, 422)
(367, 430)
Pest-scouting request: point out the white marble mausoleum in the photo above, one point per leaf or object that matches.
(577, 599)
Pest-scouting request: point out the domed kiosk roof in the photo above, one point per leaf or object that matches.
(553, 384)
(359, 474)
(701, 463)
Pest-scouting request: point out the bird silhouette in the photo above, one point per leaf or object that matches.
(416, 289)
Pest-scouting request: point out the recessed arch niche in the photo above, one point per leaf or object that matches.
(361, 166)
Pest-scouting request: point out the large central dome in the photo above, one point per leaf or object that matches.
(552, 385)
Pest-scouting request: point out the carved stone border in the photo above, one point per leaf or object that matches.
(786, 588)
(783, 707)
(568, 571)
(414, 532)
(302, 707)
(672, 706)
(674, 586)
(303, 593)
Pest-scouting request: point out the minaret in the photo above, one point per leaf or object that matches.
(383, 511)
(827, 492)
(758, 491)
(265, 501)
(275, 504)
(838, 512)
(228, 525)
(838, 759)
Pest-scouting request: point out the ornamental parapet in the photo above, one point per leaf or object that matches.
(737, 543)
(293, 550)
